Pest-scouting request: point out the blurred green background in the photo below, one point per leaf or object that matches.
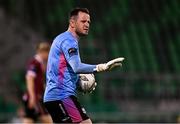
(145, 32)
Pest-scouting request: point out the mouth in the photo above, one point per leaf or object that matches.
(86, 30)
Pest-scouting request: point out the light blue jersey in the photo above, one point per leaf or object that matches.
(64, 65)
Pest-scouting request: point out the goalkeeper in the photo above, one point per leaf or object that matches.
(63, 69)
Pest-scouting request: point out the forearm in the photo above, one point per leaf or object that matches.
(79, 67)
(84, 68)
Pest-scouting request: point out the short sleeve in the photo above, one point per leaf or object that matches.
(70, 49)
(32, 70)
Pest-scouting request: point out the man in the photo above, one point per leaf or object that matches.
(63, 69)
(33, 97)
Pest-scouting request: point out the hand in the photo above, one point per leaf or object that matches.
(32, 103)
(109, 65)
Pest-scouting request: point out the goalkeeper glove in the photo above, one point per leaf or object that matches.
(109, 65)
(87, 89)
(92, 88)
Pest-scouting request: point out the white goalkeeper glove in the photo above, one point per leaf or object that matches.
(109, 65)
(89, 90)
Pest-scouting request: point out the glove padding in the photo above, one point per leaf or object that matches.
(109, 65)
(85, 86)
(91, 89)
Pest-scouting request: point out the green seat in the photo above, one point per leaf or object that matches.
(124, 46)
(148, 51)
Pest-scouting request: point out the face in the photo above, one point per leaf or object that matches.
(44, 55)
(81, 24)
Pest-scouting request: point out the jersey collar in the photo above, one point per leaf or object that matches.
(72, 36)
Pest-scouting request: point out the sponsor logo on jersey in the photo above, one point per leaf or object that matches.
(72, 52)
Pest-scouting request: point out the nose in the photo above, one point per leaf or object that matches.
(87, 24)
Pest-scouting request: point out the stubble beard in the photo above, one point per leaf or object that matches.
(81, 34)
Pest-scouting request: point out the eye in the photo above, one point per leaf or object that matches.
(86, 21)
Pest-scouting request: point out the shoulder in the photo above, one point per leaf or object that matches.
(33, 62)
(66, 38)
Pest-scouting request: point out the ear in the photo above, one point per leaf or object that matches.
(72, 23)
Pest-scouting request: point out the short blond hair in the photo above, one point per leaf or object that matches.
(43, 46)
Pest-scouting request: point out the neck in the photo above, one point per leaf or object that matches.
(38, 57)
(74, 33)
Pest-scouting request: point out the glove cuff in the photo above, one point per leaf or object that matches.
(100, 67)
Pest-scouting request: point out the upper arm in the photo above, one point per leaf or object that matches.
(29, 79)
(30, 84)
(70, 49)
(71, 53)
(31, 71)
